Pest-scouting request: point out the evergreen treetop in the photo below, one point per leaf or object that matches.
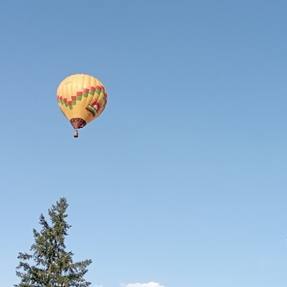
(49, 264)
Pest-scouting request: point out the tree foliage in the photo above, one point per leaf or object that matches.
(49, 264)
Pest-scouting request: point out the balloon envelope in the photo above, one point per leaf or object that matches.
(82, 98)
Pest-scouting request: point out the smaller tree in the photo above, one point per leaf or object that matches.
(49, 264)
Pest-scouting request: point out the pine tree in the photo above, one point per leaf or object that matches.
(49, 264)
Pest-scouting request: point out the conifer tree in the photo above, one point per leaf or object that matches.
(49, 264)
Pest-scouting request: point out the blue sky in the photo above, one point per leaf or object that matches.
(182, 180)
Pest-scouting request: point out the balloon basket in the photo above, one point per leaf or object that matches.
(76, 134)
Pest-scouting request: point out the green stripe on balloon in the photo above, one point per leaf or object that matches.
(92, 110)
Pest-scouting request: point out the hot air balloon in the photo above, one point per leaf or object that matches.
(81, 98)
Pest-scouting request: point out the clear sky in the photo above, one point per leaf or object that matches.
(182, 180)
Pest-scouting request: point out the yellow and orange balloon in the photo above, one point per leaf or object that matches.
(82, 98)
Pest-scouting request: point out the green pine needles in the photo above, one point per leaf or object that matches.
(49, 264)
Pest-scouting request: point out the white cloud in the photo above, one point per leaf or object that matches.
(150, 284)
